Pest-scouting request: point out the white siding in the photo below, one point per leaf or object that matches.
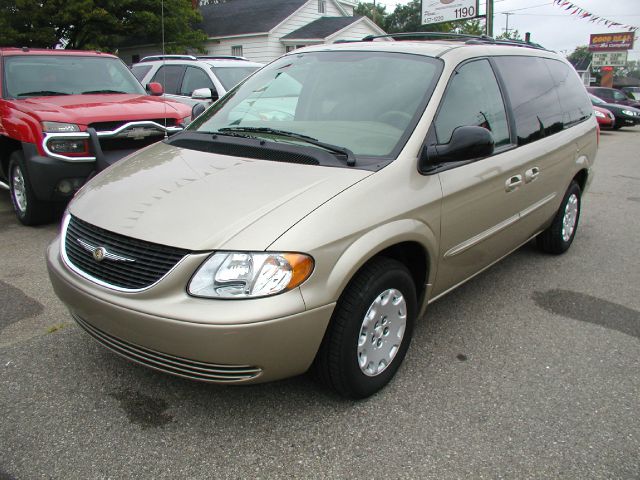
(355, 32)
(305, 15)
(254, 48)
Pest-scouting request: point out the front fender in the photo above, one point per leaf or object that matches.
(359, 249)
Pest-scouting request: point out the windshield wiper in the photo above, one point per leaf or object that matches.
(351, 158)
(89, 92)
(41, 93)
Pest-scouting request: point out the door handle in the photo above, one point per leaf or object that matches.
(513, 183)
(531, 174)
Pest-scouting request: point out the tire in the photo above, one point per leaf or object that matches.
(351, 339)
(558, 237)
(29, 210)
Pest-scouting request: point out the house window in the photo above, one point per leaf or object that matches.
(291, 48)
(236, 50)
(322, 6)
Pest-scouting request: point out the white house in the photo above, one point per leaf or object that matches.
(262, 30)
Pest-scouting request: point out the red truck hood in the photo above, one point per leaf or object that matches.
(86, 109)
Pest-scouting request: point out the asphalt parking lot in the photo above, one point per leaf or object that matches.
(530, 370)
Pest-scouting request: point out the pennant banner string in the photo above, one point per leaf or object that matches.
(580, 12)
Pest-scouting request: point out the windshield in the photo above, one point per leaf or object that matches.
(49, 75)
(231, 76)
(596, 100)
(363, 101)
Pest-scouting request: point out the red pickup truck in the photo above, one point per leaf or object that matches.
(65, 115)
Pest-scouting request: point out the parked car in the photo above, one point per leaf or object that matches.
(253, 246)
(67, 114)
(625, 116)
(632, 92)
(191, 80)
(612, 95)
(605, 118)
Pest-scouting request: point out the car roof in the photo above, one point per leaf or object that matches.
(438, 48)
(10, 51)
(213, 60)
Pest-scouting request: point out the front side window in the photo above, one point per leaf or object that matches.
(195, 78)
(50, 75)
(170, 77)
(473, 99)
(367, 102)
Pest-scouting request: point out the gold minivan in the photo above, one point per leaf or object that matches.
(307, 218)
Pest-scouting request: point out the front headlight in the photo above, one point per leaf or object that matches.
(59, 127)
(600, 114)
(628, 113)
(249, 275)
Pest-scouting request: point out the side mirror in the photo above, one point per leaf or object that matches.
(467, 143)
(155, 89)
(197, 109)
(202, 94)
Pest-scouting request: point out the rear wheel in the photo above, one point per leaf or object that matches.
(28, 209)
(558, 237)
(370, 330)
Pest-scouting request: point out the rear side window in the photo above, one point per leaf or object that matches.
(169, 76)
(533, 97)
(473, 99)
(573, 98)
(139, 71)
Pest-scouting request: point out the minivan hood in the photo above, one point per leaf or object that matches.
(204, 201)
(87, 109)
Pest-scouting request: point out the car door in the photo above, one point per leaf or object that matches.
(481, 200)
(195, 78)
(548, 150)
(170, 76)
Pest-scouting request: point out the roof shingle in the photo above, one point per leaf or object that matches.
(321, 28)
(240, 17)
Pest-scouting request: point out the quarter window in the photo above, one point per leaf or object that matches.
(533, 96)
(473, 99)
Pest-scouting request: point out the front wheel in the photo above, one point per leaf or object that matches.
(28, 209)
(558, 237)
(370, 330)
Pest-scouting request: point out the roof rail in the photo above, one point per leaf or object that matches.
(221, 57)
(152, 58)
(462, 37)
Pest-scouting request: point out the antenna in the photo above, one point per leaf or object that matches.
(164, 71)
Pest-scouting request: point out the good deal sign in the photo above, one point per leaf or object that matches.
(438, 11)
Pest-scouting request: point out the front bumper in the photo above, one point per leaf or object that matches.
(227, 341)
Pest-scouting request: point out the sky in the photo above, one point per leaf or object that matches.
(553, 27)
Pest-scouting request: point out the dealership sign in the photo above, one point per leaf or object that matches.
(604, 42)
(609, 59)
(438, 11)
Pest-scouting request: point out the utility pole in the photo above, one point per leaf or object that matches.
(507, 29)
(489, 18)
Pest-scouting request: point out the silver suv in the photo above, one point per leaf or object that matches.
(309, 217)
(190, 79)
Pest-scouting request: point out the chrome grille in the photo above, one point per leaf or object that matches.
(145, 263)
(182, 367)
